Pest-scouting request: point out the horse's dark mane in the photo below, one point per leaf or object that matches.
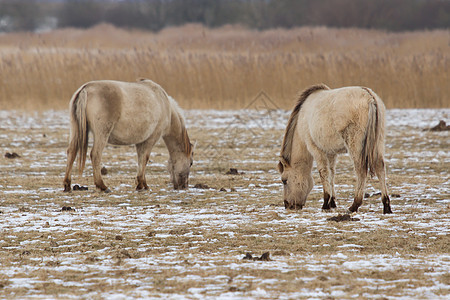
(187, 146)
(186, 142)
(286, 147)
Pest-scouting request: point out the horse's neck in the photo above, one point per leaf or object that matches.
(174, 136)
(300, 156)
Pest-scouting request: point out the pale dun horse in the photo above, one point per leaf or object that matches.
(324, 123)
(127, 113)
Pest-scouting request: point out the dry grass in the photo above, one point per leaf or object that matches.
(226, 67)
(190, 244)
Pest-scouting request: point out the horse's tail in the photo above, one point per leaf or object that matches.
(79, 129)
(373, 145)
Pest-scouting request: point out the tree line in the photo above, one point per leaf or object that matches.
(393, 15)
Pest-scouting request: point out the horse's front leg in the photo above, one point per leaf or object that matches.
(324, 173)
(323, 165)
(332, 163)
(143, 152)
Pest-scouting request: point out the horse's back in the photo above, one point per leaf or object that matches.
(134, 109)
(327, 114)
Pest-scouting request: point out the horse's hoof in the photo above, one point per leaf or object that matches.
(387, 210)
(350, 211)
(297, 207)
(353, 209)
(141, 188)
(332, 203)
(293, 206)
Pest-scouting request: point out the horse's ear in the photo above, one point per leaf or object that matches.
(280, 167)
(282, 164)
(192, 147)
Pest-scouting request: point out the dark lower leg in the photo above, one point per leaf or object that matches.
(359, 191)
(325, 177)
(100, 185)
(381, 174)
(97, 174)
(326, 199)
(332, 202)
(356, 204)
(141, 183)
(143, 154)
(386, 205)
(71, 154)
(332, 160)
(67, 185)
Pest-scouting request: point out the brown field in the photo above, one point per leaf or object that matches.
(190, 244)
(226, 67)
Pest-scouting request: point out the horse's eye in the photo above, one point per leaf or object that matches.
(284, 181)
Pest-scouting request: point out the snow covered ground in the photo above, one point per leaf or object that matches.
(190, 244)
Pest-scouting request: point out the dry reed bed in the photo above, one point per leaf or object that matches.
(226, 67)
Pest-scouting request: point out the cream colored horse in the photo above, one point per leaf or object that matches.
(124, 113)
(324, 123)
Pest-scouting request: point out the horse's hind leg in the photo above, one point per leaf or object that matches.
(143, 152)
(380, 171)
(100, 141)
(354, 150)
(359, 191)
(361, 176)
(71, 155)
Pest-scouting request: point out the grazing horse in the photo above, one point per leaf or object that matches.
(324, 123)
(126, 113)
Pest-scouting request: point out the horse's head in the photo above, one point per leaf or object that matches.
(179, 168)
(296, 184)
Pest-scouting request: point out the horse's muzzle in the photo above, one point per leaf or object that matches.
(294, 205)
(182, 186)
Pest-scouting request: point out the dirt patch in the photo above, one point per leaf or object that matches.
(67, 208)
(77, 187)
(12, 155)
(264, 257)
(104, 171)
(342, 218)
(439, 127)
(234, 171)
(201, 186)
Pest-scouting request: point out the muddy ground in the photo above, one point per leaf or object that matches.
(191, 244)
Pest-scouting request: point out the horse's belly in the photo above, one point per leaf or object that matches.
(327, 139)
(331, 144)
(129, 135)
